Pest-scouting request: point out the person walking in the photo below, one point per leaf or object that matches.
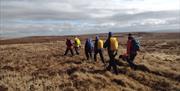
(132, 47)
(77, 45)
(69, 46)
(98, 49)
(88, 48)
(112, 46)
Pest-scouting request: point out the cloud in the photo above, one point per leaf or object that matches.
(43, 17)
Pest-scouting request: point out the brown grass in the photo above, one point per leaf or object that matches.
(42, 67)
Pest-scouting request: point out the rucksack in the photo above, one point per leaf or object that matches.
(136, 45)
(90, 44)
(100, 44)
(113, 44)
(77, 42)
(69, 43)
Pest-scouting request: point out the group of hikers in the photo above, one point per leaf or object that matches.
(111, 44)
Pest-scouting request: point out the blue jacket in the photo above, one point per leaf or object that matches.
(89, 45)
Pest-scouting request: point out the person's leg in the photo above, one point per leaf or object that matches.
(90, 54)
(109, 66)
(87, 55)
(72, 53)
(114, 64)
(132, 57)
(101, 55)
(125, 57)
(77, 50)
(66, 51)
(95, 56)
(114, 67)
(110, 61)
(130, 60)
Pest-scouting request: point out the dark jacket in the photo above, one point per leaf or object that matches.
(96, 45)
(107, 44)
(69, 43)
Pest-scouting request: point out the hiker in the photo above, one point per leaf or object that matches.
(112, 46)
(88, 48)
(77, 45)
(69, 45)
(132, 48)
(98, 49)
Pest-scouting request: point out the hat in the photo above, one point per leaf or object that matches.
(110, 34)
(129, 34)
(97, 37)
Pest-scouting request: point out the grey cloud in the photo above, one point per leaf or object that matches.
(146, 15)
(33, 11)
(95, 19)
(30, 10)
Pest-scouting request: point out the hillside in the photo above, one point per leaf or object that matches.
(38, 64)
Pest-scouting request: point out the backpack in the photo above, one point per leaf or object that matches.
(100, 44)
(113, 44)
(136, 45)
(77, 42)
(69, 43)
(89, 44)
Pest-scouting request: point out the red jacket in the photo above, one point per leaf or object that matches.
(129, 46)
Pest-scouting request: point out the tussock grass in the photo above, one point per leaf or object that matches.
(42, 67)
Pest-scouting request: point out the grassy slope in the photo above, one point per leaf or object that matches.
(41, 67)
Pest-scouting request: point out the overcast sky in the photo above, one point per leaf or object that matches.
(66, 17)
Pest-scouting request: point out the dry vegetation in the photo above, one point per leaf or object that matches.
(42, 67)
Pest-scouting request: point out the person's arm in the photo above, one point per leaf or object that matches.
(66, 43)
(85, 46)
(71, 43)
(105, 44)
(95, 45)
(128, 47)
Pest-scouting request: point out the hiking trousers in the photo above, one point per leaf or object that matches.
(67, 50)
(112, 61)
(130, 60)
(100, 52)
(76, 50)
(88, 54)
